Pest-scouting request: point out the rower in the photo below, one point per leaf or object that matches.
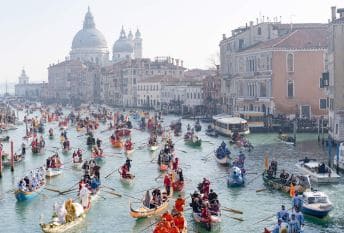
(278, 226)
(99, 142)
(127, 162)
(283, 214)
(294, 226)
(179, 203)
(175, 164)
(297, 201)
(212, 196)
(167, 184)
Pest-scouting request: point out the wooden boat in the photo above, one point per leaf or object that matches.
(285, 138)
(214, 219)
(145, 212)
(51, 172)
(318, 172)
(17, 159)
(163, 167)
(27, 195)
(302, 183)
(194, 143)
(127, 180)
(116, 143)
(98, 156)
(235, 178)
(123, 132)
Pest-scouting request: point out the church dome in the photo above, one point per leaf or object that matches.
(123, 44)
(89, 36)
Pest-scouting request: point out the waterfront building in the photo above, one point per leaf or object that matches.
(332, 78)
(25, 89)
(212, 98)
(266, 68)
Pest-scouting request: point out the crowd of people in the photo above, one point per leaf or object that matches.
(34, 180)
(54, 161)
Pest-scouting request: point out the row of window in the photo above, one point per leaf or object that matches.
(154, 87)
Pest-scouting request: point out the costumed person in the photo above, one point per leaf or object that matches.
(167, 184)
(175, 164)
(294, 226)
(71, 212)
(278, 226)
(84, 196)
(179, 204)
(297, 201)
(283, 214)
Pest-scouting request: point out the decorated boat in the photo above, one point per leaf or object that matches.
(316, 204)
(235, 178)
(214, 219)
(318, 172)
(97, 154)
(222, 154)
(17, 158)
(145, 211)
(128, 148)
(127, 179)
(28, 195)
(192, 139)
(301, 184)
(153, 147)
(123, 132)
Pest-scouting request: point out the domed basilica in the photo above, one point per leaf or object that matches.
(89, 44)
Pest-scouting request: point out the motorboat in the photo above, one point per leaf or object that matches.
(316, 204)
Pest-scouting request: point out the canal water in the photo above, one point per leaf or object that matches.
(111, 214)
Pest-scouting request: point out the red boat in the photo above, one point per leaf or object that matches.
(97, 154)
(123, 132)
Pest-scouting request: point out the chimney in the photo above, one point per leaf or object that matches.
(341, 12)
(257, 20)
(223, 36)
(333, 13)
(251, 24)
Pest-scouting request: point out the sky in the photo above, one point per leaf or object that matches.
(36, 33)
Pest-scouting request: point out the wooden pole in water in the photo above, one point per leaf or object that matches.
(318, 130)
(12, 157)
(0, 163)
(294, 129)
(322, 131)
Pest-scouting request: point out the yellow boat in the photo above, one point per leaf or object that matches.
(145, 212)
(116, 143)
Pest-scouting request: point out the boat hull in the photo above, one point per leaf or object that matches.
(51, 172)
(25, 196)
(144, 212)
(320, 178)
(319, 213)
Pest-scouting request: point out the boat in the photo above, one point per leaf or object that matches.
(123, 132)
(301, 185)
(316, 204)
(192, 139)
(145, 212)
(318, 172)
(97, 156)
(116, 143)
(226, 125)
(128, 148)
(222, 154)
(235, 178)
(16, 159)
(27, 195)
(178, 186)
(51, 172)
(285, 138)
(214, 219)
(4, 139)
(126, 180)
(51, 136)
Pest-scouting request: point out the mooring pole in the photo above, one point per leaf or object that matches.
(12, 157)
(0, 163)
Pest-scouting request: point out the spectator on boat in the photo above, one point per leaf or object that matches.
(274, 167)
(294, 226)
(306, 160)
(284, 176)
(297, 201)
(322, 168)
(270, 173)
(179, 221)
(23, 147)
(278, 226)
(212, 196)
(99, 142)
(283, 214)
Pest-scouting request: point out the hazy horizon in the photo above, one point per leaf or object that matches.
(38, 33)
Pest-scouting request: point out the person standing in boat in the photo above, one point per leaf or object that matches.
(23, 147)
(278, 226)
(167, 184)
(175, 164)
(128, 164)
(84, 196)
(299, 217)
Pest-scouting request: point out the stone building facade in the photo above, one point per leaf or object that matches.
(27, 90)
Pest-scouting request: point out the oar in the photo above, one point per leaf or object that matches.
(72, 186)
(238, 219)
(111, 173)
(68, 191)
(182, 151)
(150, 225)
(253, 179)
(53, 190)
(232, 210)
(260, 190)
(208, 142)
(113, 193)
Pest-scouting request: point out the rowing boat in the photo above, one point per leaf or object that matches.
(51, 172)
(126, 180)
(27, 195)
(146, 212)
(178, 186)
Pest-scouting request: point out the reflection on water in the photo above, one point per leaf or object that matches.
(111, 213)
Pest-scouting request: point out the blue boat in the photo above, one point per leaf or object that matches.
(316, 204)
(222, 154)
(25, 196)
(235, 178)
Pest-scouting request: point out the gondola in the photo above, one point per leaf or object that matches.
(145, 212)
(28, 195)
(126, 180)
